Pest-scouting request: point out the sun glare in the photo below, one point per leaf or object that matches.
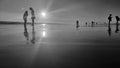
(43, 14)
(44, 34)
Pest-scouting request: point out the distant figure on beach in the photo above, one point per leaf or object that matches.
(109, 27)
(25, 18)
(117, 25)
(109, 19)
(92, 23)
(77, 24)
(86, 23)
(32, 15)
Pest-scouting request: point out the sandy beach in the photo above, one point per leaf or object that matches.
(58, 46)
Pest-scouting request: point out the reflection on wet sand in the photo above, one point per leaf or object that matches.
(43, 32)
(109, 31)
(26, 34)
(58, 45)
(33, 35)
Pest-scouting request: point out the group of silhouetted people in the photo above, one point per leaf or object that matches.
(25, 17)
(117, 23)
(109, 23)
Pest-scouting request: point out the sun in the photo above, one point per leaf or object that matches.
(43, 14)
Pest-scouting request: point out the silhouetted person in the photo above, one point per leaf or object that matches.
(109, 19)
(25, 28)
(109, 27)
(25, 18)
(92, 23)
(86, 23)
(32, 15)
(33, 35)
(117, 25)
(77, 24)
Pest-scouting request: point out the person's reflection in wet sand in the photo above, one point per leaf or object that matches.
(109, 31)
(26, 34)
(33, 35)
(117, 25)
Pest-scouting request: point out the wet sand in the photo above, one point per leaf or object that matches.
(58, 46)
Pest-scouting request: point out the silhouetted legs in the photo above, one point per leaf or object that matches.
(32, 21)
(109, 27)
(25, 22)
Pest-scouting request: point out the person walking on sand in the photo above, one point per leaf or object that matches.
(25, 15)
(32, 15)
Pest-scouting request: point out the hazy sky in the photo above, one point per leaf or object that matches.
(60, 10)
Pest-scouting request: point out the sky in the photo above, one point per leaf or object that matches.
(59, 11)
